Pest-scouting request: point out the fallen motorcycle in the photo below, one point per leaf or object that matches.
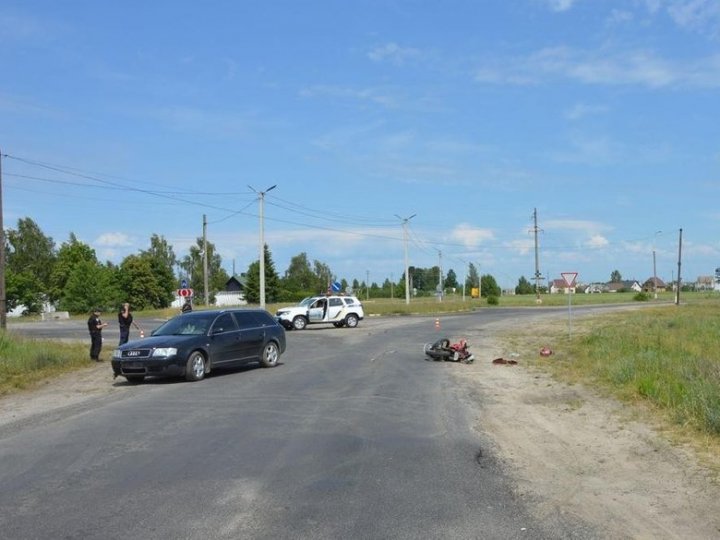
(443, 351)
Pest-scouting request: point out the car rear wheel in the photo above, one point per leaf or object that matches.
(195, 369)
(299, 322)
(135, 379)
(351, 320)
(270, 355)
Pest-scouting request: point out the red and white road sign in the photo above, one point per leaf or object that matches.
(569, 278)
(185, 293)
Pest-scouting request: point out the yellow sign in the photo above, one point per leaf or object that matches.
(475, 292)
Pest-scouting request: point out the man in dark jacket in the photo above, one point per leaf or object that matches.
(95, 326)
(125, 320)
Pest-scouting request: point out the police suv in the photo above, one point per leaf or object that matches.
(338, 310)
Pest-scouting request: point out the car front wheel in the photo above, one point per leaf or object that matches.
(195, 369)
(270, 355)
(299, 322)
(351, 320)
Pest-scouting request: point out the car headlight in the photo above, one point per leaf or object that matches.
(117, 353)
(165, 351)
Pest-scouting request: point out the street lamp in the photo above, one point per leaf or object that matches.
(405, 241)
(262, 242)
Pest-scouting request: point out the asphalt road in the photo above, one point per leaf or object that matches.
(354, 435)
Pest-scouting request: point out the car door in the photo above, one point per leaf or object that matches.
(251, 336)
(318, 310)
(335, 309)
(225, 346)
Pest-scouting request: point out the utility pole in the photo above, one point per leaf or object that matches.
(654, 276)
(679, 280)
(367, 284)
(440, 279)
(407, 268)
(3, 299)
(537, 259)
(262, 242)
(205, 263)
(654, 265)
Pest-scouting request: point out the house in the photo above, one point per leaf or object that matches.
(594, 288)
(623, 286)
(658, 286)
(559, 286)
(705, 283)
(234, 293)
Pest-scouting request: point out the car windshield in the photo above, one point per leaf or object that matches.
(305, 302)
(191, 324)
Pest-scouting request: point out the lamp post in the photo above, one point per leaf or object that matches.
(407, 268)
(262, 241)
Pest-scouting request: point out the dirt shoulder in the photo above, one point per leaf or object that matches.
(577, 453)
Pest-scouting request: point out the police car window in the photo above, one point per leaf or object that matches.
(336, 302)
(349, 301)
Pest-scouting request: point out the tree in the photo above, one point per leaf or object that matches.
(140, 284)
(70, 254)
(299, 277)
(23, 289)
(161, 258)
(90, 285)
(323, 275)
(524, 286)
(615, 276)
(252, 280)
(451, 280)
(473, 279)
(489, 286)
(30, 257)
(193, 266)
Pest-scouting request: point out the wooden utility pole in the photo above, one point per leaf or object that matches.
(537, 258)
(3, 299)
(206, 293)
(679, 281)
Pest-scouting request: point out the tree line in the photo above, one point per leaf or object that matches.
(72, 278)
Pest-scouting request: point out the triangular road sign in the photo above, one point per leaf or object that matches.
(569, 278)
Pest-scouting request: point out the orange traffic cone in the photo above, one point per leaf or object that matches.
(437, 324)
(142, 334)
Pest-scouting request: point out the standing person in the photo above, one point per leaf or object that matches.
(95, 326)
(125, 320)
(187, 306)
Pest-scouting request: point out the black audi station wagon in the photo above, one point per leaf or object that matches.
(193, 344)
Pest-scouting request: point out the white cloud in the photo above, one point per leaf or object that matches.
(561, 5)
(113, 239)
(597, 241)
(471, 236)
(699, 15)
(602, 67)
(392, 52)
(371, 95)
(582, 110)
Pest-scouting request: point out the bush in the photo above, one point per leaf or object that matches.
(493, 300)
(641, 297)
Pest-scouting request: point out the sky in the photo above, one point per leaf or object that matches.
(454, 121)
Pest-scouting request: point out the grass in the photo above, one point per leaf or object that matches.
(664, 359)
(25, 362)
